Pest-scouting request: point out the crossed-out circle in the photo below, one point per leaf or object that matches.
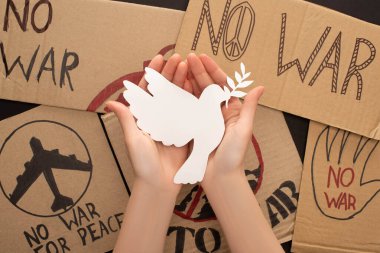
(48, 180)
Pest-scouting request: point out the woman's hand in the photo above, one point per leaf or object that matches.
(225, 184)
(229, 156)
(154, 163)
(154, 193)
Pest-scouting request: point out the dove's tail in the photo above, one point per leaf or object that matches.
(193, 170)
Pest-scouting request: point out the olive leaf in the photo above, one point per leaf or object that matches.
(244, 84)
(238, 77)
(231, 83)
(227, 91)
(242, 68)
(238, 94)
(241, 83)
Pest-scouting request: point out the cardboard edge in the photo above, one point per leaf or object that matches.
(308, 248)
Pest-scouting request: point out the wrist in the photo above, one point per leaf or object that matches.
(155, 191)
(218, 178)
(146, 219)
(239, 213)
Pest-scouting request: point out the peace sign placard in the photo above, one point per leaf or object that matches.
(313, 62)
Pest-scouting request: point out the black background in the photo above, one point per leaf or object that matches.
(367, 10)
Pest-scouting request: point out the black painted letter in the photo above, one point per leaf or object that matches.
(22, 23)
(354, 68)
(65, 68)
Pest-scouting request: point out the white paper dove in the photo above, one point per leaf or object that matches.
(173, 116)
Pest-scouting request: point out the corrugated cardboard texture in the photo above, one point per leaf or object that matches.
(339, 206)
(273, 170)
(314, 62)
(74, 161)
(72, 52)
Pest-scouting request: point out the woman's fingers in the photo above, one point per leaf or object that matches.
(232, 112)
(188, 87)
(214, 71)
(194, 85)
(157, 64)
(125, 117)
(170, 67)
(199, 72)
(180, 74)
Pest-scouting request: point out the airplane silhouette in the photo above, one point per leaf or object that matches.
(42, 162)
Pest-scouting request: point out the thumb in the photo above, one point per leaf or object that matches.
(125, 117)
(248, 109)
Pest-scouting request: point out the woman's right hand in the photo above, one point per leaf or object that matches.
(229, 155)
(225, 184)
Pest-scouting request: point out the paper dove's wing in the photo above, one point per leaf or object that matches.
(159, 86)
(168, 115)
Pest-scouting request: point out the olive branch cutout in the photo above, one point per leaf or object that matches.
(241, 83)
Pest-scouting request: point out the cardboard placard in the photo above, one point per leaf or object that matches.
(273, 170)
(72, 53)
(61, 190)
(339, 207)
(314, 62)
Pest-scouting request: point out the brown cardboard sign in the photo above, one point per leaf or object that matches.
(194, 226)
(61, 190)
(72, 53)
(314, 62)
(339, 207)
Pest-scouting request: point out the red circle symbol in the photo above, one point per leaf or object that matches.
(117, 85)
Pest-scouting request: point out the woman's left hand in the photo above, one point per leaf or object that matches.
(154, 163)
